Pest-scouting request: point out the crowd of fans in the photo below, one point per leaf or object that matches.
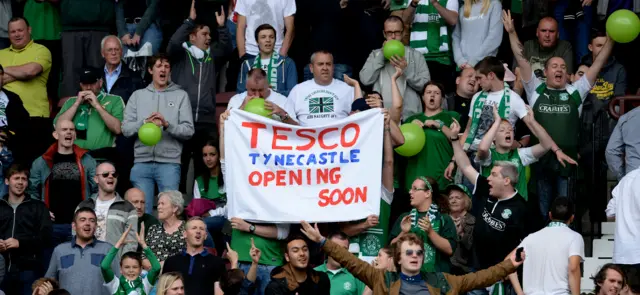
(513, 97)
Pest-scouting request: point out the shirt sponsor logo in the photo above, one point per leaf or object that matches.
(496, 224)
(554, 109)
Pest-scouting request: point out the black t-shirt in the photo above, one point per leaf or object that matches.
(461, 106)
(308, 287)
(65, 187)
(500, 225)
(200, 272)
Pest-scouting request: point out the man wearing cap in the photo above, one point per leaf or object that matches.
(96, 115)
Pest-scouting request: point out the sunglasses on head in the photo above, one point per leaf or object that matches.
(409, 252)
(106, 174)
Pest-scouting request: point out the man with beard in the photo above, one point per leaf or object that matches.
(297, 276)
(199, 269)
(76, 264)
(62, 178)
(24, 227)
(114, 214)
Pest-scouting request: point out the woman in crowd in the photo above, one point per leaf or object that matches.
(437, 152)
(427, 221)
(281, 70)
(166, 239)
(209, 195)
(383, 261)
(478, 33)
(170, 283)
(459, 206)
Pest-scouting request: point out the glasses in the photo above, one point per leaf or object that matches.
(410, 252)
(415, 189)
(106, 174)
(392, 33)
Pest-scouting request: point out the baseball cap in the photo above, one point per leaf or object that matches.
(459, 187)
(90, 75)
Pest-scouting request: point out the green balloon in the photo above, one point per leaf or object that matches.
(393, 47)
(149, 134)
(256, 106)
(414, 139)
(623, 26)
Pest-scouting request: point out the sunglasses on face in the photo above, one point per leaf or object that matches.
(106, 174)
(418, 253)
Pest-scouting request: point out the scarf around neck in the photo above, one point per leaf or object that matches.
(127, 287)
(272, 69)
(504, 109)
(196, 52)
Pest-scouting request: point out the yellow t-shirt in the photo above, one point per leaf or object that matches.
(32, 92)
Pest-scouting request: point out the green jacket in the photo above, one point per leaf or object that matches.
(87, 15)
(41, 169)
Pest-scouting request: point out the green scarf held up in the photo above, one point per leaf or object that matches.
(272, 69)
(81, 119)
(430, 252)
(126, 286)
(504, 109)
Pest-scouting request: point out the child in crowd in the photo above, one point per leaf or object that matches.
(130, 282)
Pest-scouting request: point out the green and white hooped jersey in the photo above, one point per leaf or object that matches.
(368, 243)
(430, 34)
(114, 287)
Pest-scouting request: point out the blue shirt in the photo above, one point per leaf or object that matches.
(111, 78)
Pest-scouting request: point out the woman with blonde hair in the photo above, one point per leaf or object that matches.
(478, 33)
(170, 283)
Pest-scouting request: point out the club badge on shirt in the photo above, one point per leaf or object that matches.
(506, 213)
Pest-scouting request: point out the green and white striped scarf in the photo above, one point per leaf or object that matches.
(430, 34)
(272, 69)
(504, 109)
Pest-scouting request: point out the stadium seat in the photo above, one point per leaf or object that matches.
(586, 285)
(608, 230)
(602, 248)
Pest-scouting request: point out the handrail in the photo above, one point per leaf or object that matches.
(623, 102)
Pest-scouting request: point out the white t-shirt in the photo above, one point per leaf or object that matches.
(582, 86)
(518, 111)
(274, 97)
(625, 206)
(546, 267)
(259, 12)
(4, 101)
(316, 105)
(102, 212)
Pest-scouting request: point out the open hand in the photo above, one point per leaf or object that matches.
(563, 159)
(406, 223)
(507, 21)
(448, 173)
(313, 233)
(123, 237)
(425, 225)
(240, 224)
(192, 12)
(350, 81)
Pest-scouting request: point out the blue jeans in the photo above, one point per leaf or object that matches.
(263, 276)
(145, 176)
(338, 71)
(578, 33)
(19, 282)
(61, 234)
(549, 186)
(152, 35)
(232, 31)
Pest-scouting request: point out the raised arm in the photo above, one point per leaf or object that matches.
(516, 47)
(395, 111)
(545, 140)
(461, 157)
(600, 61)
(387, 156)
(485, 144)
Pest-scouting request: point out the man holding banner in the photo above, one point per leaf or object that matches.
(257, 87)
(323, 99)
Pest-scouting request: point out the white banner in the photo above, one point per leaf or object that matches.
(284, 174)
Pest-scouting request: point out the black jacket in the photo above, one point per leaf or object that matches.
(126, 84)
(30, 224)
(17, 124)
(283, 282)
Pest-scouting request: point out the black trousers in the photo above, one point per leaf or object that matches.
(192, 149)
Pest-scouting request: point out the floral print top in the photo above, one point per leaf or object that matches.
(165, 245)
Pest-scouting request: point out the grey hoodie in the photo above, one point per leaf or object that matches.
(479, 35)
(173, 103)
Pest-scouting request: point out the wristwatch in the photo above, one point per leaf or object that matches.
(252, 228)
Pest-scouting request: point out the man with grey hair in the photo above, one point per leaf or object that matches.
(120, 81)
(504, 218)
(322, 99)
